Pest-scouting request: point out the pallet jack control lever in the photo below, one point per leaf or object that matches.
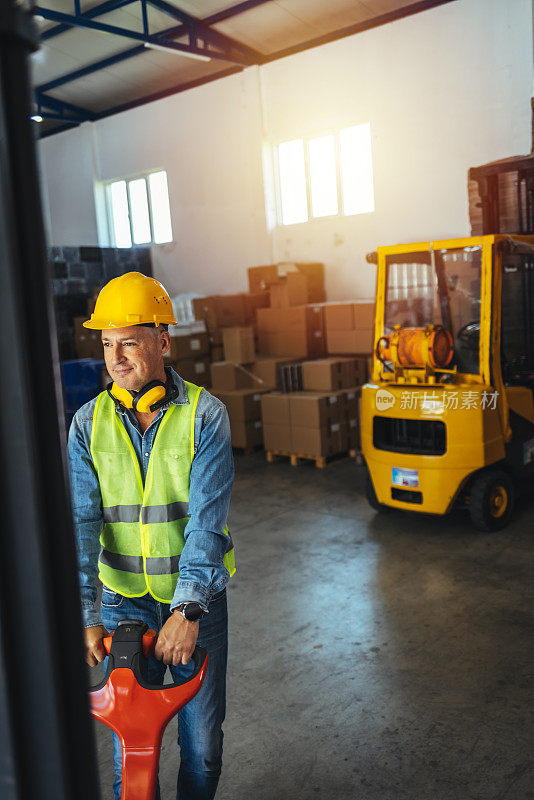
(134, 709)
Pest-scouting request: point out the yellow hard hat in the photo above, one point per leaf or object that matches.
(131, 299)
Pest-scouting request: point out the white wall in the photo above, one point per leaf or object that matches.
(67, 169)
(443, 90)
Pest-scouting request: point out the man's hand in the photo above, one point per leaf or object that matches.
(176, 640)
(94, 647)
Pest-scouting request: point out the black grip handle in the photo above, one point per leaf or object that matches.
(198, 658)
(127, 652)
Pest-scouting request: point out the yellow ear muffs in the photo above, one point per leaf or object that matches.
(122, 395)
(148, 395)
(152, 396)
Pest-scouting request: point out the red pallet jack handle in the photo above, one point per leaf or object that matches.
(137, 711)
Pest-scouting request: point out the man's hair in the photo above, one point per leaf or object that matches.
(158, 329)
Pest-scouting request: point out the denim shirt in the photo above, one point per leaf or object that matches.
(202, 572)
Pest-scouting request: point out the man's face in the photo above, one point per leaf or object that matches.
(133, 355)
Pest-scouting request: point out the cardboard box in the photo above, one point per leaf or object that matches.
(194, 370)
(292, 291)
(216, 338)
(78, 326)
(316, 409)
(352, 402)
(294, 318)
(275, 409)
(290, 345)
(243, 405)
(204, 308)
(314, 272)
(353, 434)
(261, 278)
(246, 434)
(328, 374)
(277, 437)
(268, 371)
(89, 344)
(316, 295)
(252, 303)
(339, 316)
(239, 345)
(316, 442)
(226, 376)
(217, 353)
(350, 315)
(296, 332)
(189, 345)
(350, 341)
(230, 310)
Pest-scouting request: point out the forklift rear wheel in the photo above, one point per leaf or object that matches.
(492, 500)
(371, 495)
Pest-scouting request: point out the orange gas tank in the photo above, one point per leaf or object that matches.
(415, 348)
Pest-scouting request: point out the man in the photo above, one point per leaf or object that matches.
(151, 474)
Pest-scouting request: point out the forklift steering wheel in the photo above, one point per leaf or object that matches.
(469, 335)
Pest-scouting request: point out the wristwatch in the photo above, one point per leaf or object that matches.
(192, 612)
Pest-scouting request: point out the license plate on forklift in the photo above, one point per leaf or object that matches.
(404, 477)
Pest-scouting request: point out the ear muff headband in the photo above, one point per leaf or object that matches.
(151, 397)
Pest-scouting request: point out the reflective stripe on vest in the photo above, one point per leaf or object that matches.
(143, 525)
(166, 513)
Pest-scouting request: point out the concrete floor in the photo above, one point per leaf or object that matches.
(372, 656)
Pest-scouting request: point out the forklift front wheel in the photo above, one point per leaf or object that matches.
(492, 500)
(371, 495)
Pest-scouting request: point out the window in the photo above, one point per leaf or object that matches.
(324, 176)
(138, 210)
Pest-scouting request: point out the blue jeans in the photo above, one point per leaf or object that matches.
(200, 733)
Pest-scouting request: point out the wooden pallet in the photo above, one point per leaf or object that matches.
(320, 461)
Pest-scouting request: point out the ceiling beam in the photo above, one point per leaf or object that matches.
(51, 115)
(61, 106)
(124, 55)
(102, 27)
(205, 32)
(96, 11)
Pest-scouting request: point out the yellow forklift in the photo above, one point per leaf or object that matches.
(448, 417)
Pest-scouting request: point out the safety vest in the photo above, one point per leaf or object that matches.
(143, 525)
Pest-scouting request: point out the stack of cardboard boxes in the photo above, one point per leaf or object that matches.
(189, 354)
(349, 327)
(88, 343)
(239, 382)
(279, 288)
(289, 283)
(295, 332)
(257, 341)
(240, 391)
(322, 420)
(227, 311)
